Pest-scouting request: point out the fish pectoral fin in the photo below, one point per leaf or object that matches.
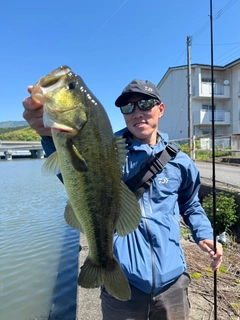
(130, 213)
(71, 218)
(75, 157)
(121, 150)
(112, 277)
(51, 165)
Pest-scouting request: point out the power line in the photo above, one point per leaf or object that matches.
(232, 54)
(199, 31)
(218, 15)
(183, 53)
(224, 9)
(235, 51)
(217, 44)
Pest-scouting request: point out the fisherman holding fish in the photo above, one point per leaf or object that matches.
(149, 253)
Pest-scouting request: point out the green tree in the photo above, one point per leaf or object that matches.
(19, 134)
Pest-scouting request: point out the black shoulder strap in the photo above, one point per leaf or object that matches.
(141, 182)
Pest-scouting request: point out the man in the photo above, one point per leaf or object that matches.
(151, 256)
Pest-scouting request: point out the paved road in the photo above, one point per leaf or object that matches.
(88, 300)
(224, 173)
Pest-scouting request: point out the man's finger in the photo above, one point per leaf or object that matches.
(31, 105)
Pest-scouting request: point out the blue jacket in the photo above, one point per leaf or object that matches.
(152, 256)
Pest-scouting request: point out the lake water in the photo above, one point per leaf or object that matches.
(38, 250)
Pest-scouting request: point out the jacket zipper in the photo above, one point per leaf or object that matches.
(150, 241)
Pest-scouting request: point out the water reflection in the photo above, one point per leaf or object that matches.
(38, 265)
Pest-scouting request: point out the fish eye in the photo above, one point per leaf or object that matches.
(72, 85)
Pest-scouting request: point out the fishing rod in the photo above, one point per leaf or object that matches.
(213, 163)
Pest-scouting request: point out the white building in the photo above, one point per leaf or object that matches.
(173, 89)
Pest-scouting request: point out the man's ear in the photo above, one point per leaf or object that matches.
(161, 109)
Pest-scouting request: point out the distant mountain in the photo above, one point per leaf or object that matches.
(13, 124)
(23, 133)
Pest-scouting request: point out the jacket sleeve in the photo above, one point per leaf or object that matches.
(48, 145)
(49, 148)
(190, 207)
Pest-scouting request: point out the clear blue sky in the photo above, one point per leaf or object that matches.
(108, 43)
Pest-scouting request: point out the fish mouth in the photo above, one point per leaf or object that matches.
(41, 93)
(53, 80)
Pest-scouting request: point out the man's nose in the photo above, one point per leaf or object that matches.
(137, 112)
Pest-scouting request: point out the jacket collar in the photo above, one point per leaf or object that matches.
(139, 146)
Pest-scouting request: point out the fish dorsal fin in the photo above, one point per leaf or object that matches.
(51, 165)
(75, 157)
(71, 218)
(130, 213)
(121, 150)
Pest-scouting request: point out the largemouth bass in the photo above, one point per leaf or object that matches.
(89, 158)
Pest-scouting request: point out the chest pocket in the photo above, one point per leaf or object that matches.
(167, 182)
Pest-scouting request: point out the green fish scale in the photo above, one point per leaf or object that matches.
(95, 194)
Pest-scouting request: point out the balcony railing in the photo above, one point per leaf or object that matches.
(202, 117)
(204, 89)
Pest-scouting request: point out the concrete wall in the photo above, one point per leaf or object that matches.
(174, 95)
(235, 142)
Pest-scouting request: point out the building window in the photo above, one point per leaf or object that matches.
(206, 132)
(208, 80)
(207, 107)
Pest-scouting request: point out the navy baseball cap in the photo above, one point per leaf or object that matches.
(144, 87)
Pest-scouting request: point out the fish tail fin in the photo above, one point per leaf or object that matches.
(112, 277)
(91, 275)
(116, 282)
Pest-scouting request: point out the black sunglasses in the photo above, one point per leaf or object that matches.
(143, 105)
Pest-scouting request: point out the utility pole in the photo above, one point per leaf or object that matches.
(189, 82)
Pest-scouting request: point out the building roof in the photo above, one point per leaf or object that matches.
(198, 65)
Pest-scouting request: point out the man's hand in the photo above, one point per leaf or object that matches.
(33, 114)
(207, 245)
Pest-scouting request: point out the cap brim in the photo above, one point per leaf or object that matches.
(123, 99)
